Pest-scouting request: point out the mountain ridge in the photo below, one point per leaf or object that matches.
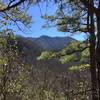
(52, 43)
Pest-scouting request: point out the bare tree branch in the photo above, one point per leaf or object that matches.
(12, 6)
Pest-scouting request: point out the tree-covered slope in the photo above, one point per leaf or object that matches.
(52, 43)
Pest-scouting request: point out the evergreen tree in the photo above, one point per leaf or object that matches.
(82, 18)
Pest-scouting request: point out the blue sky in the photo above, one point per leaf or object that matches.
(36, 29)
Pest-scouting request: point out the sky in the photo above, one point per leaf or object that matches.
(36, 29)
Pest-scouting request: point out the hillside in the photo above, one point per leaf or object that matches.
(32, 47)
(52, 43)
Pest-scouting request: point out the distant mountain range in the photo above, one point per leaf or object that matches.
(52, 43)
(32, 47)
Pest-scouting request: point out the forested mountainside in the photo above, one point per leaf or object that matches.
(52, 43)
(31, 48)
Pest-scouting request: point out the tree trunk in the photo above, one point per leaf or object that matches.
(91, 27)
(92, 59)
(98, 50)
(93, 71)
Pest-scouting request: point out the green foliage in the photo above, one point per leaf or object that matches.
(51, 18)
(16, 16)
(74, 52)
(67, 17)
(74, 46)
(13, 71)
(68, 58)
(46, 55)
(80, 67)
(66, 24)
(85, 55)
(21, 15)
